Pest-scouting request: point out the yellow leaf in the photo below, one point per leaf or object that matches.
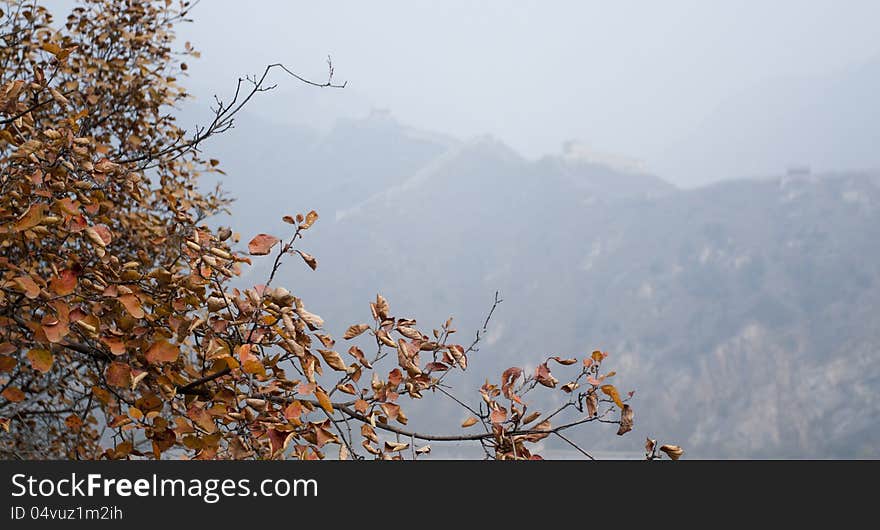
(611, 392)
(324, 401)
(41, 359)
(311, 217)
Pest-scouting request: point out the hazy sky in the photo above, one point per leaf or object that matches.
(624, 77)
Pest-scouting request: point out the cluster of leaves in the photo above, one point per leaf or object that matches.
(120, 333)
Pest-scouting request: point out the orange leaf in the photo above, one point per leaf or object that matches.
(31, 218)
(253, 366)
(261, 244)
(29, 286)
(468, 422)
(132, 305)
(162, 351)
(13, 394)
(202, 418)
(118, 374)
(324, 400)
(64, 283)
(116, 345)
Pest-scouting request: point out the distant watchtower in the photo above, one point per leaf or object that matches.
(798, 171)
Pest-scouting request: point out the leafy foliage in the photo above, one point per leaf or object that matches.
(120, 333)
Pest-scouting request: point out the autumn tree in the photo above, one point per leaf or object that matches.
(121, 334)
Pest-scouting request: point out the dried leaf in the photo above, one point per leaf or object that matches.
(162, 351)
(611, 392)
(309, 259)
(7, 363)
(313, 321)
(132, 304)
(673, 451)
(508, 378)
(393, 447)
(592, 405)
(310, 219)
(40, 359)
(293, 411)
(100, 235)
(565, 362)
(118, 374)
(63, 284)
(333, 360)
(359, 355)
(354, 331)
(531, 417)
(13, 394)
(626, 420)
(28, 286)
(324, 400)
(31, 218)
(543, 376)
(262, 244)
(469, 422)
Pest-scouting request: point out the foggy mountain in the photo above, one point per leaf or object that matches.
(828, 122)
(744, 314)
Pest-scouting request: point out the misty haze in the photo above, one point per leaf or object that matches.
(691, 187)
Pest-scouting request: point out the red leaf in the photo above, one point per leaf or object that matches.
(395, 377)
(261, 244)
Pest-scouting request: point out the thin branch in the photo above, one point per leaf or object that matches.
(569, 442)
